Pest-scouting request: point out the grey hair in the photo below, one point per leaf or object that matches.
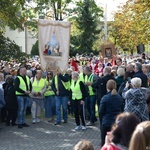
(75, 74)
(136, 82)
(87, 68)
(138, 66)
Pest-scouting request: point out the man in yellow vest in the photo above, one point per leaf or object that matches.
(23, 88)
(62, 90)
(91, 99)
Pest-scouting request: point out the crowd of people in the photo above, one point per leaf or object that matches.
(117, 88)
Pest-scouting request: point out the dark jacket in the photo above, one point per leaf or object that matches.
(2, 101)
(62, 90)
(100, 85)
(17, 83)
(110, 107)
(10, 98)
(143, 77)
(119, 80)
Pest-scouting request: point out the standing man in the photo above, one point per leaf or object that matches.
(61, 87)
(139, 73)
(91, 98)
(100, 84)
(23, 88)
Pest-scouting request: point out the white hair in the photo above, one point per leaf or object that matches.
(136, 82)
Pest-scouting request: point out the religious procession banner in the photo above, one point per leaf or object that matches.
(54, 41)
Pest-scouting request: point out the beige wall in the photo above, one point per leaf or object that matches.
(20, 40)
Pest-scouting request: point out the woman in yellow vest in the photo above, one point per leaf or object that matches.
(37, 96)
(50, 106)
(78, 97)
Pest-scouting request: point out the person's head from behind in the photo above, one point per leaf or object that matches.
(107, 70)
(87, 70)
(10, 81)
(113, 73)
(141, 137)
(138, 67)
(84, 145)
(120, 72)
(136, 82)
(111, 87)
(123, 128)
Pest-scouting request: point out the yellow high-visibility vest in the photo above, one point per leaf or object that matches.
(49, 91)
(90, 79)
(76, 90)
(65, 84)
(38, 86)
(22, 84)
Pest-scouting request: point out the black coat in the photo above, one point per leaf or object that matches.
(10, 98)
(100, 86)
(143, 77)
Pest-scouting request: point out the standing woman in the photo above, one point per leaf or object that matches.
(78, 97)
(135, 99)
(50, 106)
(37, 96)
(110, 106)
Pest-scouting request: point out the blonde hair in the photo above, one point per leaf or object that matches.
(111, 85)
(84, 145)
(120, 71)
(140, 139)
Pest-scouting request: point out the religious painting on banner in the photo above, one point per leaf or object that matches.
(54, 41)
(108, 49)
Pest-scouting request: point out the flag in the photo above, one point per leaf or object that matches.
(54, 41)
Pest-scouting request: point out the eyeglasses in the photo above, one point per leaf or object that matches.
(49, 74)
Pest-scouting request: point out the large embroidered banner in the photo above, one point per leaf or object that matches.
(54, 40)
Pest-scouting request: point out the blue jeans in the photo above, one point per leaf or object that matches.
(50, 106)
(91, 102)
(61, 100)
(22, 105)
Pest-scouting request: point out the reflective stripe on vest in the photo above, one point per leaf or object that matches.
(76, 91)
(65, 84)
(49, 90)
(38, 86)
(90, 79)
(22, 84)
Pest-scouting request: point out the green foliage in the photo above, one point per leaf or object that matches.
(131, 25)
(86, 21)
(35, 49)
(10, 14)
(10, 50)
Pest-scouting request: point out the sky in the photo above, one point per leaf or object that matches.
(111, 6)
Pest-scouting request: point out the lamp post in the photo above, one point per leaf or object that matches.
(26, 38)
(105, 21)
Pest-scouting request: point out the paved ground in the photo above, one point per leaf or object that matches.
(46, 136)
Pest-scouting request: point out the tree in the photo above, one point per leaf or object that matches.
(10, 14)
(9, 50)
(86, 20)
(131, 25)
(35, 49)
